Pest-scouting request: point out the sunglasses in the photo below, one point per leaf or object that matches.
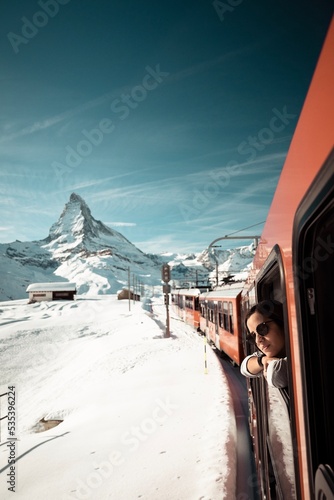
(262, 329)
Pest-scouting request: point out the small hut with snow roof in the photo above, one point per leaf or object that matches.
(60, 290)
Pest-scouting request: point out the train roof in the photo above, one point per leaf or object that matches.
(191, 292)
(225, 292)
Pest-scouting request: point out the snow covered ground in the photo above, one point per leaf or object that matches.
(141, 418)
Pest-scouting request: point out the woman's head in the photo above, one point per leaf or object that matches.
(264, 322)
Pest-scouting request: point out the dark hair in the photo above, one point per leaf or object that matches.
(271, 309)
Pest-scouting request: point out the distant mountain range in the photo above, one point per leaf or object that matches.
(97, 258)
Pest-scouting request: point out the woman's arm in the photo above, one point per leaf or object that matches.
(252, 365)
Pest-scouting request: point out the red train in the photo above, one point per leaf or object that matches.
(292, 429)
(216, 314)
(186, 304)
(220, 321)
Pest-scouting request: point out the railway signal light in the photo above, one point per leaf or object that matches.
(165, 273)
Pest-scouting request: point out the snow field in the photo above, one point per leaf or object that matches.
(141, 419)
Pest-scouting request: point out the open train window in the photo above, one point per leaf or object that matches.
(274, 407)
(313, 256)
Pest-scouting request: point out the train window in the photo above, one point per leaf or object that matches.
(313, 251)
(230, 317)
(274, 423)
(189, 302)
(210, 311)
(225, 315)
(220, 315)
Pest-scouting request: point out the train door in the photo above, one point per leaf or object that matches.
(313, 254)
(274, 407)
(206, 316)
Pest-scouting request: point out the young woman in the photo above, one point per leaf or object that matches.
(264, 323)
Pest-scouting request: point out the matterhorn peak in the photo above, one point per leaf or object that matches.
(76, 203)
(74, 222)
(77, 232)
(76, 226)
(75, 197)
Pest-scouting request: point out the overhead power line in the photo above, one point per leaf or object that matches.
(253, 225)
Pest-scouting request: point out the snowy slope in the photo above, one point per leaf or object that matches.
(141, 418)
(21, 264)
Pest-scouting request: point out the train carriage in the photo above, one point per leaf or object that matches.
(220, 321)
(292, 428)
(186, 304)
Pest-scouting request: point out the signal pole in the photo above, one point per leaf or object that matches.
(165, 275)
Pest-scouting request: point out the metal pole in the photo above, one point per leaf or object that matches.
(129, 288)
(205, 357)
(253, 237)
(167, 316)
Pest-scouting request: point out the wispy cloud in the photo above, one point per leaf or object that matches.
(35, 127)
(206, 65)
(93, 103)
(120, 224)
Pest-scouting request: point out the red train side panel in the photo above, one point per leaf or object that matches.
(294, 263)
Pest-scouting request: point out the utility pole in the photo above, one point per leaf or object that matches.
(165, 275)
(129, 283)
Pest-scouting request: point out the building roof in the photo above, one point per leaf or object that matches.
(58, 286)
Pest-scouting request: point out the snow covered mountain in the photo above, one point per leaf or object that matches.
(98, 259)
(79, 249)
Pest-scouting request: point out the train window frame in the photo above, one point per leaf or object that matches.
(314, 219)
(270, 283)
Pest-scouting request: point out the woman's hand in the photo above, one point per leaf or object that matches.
(266, 361)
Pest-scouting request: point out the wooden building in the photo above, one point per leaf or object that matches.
(51, 291)
(126, 294)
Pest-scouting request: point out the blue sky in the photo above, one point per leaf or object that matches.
(171, 119)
